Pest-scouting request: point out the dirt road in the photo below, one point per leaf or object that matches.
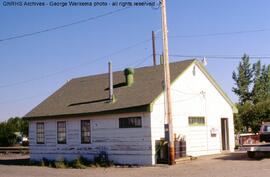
(230, 165)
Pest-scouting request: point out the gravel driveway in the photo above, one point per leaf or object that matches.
(228, 165)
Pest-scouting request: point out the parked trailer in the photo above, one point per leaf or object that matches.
(258, 147)
(255, 149)
(6, 150)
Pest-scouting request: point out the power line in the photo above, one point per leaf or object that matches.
(142, 61)
(181, 100)
(21, 99)
(77, 66)
(62, 26)
(37, 96)
(225, 57)
(184, 93)
(221, 33)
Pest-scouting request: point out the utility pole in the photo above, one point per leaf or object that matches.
(154, 47)
(167, 81)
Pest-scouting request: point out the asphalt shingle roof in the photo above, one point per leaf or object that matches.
(89, 95)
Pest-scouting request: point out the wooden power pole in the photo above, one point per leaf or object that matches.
(167, 81)
(154, 48)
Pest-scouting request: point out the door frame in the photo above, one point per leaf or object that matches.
(225, 140)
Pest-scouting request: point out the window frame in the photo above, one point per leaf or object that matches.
(196, 123)
(82, 132)
(58, 132)
(129, 122)
(40, 133)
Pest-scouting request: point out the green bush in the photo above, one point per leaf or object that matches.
(8, 129)
(60, 163)
(102, 160)
(251, 116)
(79, 163)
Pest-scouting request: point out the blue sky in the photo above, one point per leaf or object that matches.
(34, 67)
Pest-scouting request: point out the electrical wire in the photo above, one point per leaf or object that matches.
(62, 26)
(220, 57)
(36, 96)
(80, 65)
(142, 61)
(184, 93)
(220, 34)
(75, 67)
(181, 100)
(20, 99)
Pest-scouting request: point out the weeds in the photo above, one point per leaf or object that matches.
(60, 163)
(101, 160)
(79, 163)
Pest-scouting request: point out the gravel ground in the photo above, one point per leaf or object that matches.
(228, 165)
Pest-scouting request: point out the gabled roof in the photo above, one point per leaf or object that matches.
(89, 95)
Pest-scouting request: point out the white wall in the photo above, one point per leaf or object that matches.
(123, 145)
(137, 145)
(188, 100)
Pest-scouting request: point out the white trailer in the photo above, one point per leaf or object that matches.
(254, 149)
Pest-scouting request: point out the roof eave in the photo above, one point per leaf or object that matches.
(135, 109)
(216, 85)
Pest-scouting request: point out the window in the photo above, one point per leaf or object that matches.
(266, 128)
(61, 132)
(40, 133)
(85, 132)
(196, 121)
(130, 122)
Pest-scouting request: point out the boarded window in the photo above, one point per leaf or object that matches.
(40, 136)
(196, 121)
(61, 132)
(130, 122)
(85, 131)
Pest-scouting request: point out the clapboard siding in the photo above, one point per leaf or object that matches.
(123, 145)
(192, 95)
(188, 100)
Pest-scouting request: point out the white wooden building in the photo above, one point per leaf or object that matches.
(80, 120)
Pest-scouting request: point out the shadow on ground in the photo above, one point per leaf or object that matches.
(21, 162)
(242, 156)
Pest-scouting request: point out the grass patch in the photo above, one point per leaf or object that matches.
(60, 164)
(101, 160)
(79, 163)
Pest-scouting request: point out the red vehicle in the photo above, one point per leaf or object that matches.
(265, 132)
(262, 147)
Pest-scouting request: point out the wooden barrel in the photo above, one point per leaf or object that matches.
(176, 149)
(183, 148)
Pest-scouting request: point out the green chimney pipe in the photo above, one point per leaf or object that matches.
(129, 74)
(161, 59)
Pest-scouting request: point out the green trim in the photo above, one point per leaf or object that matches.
(216, 85)
(197, 125)
(153, 102)
(142, 108)
(150, 107)
(209, 77)
(129, 75)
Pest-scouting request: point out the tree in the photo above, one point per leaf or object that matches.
(253, 115)
(260, 91)
(244, 118)
(257, 88)
(243, 79)
(7, 136)
(8, 129)
(252, 86)
(18, 125)
(265, 80)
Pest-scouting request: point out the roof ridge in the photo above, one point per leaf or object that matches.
(88, 94)
(144, 67)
